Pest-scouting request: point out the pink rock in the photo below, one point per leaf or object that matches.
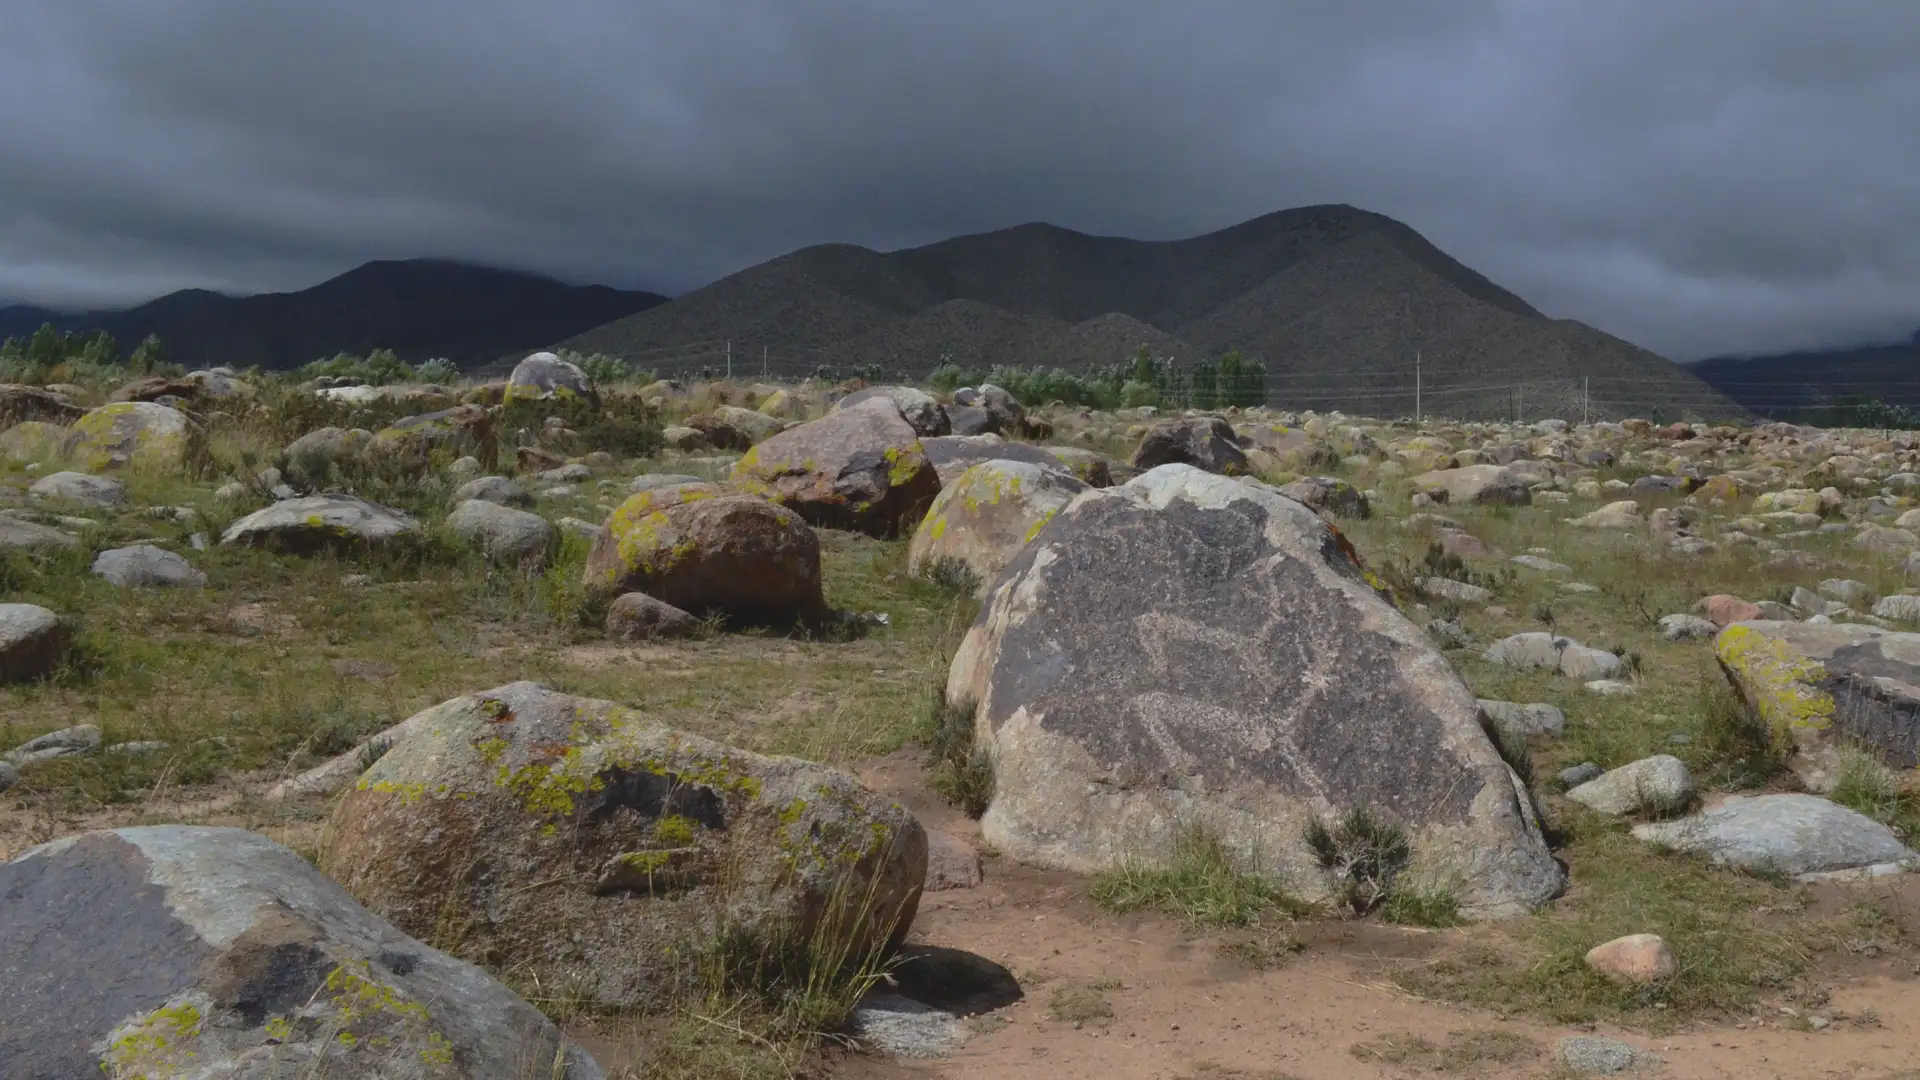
(1721, 609)
(1636, 958)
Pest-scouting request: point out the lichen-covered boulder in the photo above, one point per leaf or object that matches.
(502, 533)
(751, 425)
(1189, 649)
(1093, 468)
(33, 642)
(580, 843)
(1204, 442)
(1815, 685)
(704, 548)
(185, 952)
(985, 515)
(131, 432)
(321, 522)
(33, 440)
(1475, 484)
(917, 407)
(310, 459)
(544, 376)
(861, 468)
(19, 404)
(464, 430)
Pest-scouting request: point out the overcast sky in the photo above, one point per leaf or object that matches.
(1698, 176)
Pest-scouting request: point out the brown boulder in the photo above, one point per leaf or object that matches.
(861, 468)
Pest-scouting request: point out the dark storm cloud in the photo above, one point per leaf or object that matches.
(1713, 175)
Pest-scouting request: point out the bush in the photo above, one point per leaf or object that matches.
(962, 771)
(1363, 855)
(381, 367)
(438, 370)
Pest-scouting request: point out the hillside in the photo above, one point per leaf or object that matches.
(1794, 384)
(419, 308)
(1336, 301)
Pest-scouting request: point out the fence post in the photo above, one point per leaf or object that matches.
(729, 358)
(1416, 383)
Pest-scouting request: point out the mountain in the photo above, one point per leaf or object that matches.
(419, 308)
(1340, 304)
(1797, 384)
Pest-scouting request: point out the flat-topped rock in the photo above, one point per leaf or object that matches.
(1793, 834)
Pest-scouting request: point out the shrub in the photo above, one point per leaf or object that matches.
(1362, 854)
(438, 370)
(962, 771)
(1199, 881)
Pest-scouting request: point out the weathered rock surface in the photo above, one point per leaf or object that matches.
(23, 404)
(321, 522)
(952, 455)
(1475, 484)
(916, 406)
(636, 616)
(585, 844)
(1191, 648)
(1204, 442)
(1535, 649)
(1792, 834)
(66, 742)
(985, 515)
(1660, 784)
(147, 566)
(33, 642)
(1538, 718)
(1636, 959)
(80, 489)
(702, 548)
(1814, 684)
(113, 436)
(861, 468)
(18, 535)
(1687, 628)
(1329, 495)
(1601, 1055)
(502, 533)
(494, 489)
(175, 951)
(544, 375)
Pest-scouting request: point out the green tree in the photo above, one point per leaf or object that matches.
(148, 357)
(48, 345)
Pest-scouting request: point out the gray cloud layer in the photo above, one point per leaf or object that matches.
(1699, 177)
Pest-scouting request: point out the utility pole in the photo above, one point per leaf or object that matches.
(763, 363)
(1520, 402)
(729, 358)
(1586, 396)
(1416, 383)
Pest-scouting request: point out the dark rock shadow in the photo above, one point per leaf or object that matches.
(953, 980)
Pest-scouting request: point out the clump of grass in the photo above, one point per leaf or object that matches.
(1362, 855)
(1865, 783)
(1465, 1051)
(1737, 749)
(1199, 881)
(962, 770)
(1429, 907)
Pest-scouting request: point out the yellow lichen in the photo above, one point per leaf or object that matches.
(1782, 685)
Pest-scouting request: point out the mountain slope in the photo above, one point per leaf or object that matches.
(1336, 301)
(419, 308)
(1788, 384)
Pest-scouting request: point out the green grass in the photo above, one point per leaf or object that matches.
(1200, 881)
(1866, 784)
(1470, 1051)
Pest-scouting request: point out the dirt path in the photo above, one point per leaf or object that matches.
(1184, 1008)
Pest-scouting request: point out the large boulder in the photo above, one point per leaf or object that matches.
(19, 404)
(917, 406)
(703, 548)
(1815, 685)
(1187, 649)
(1475, 484)
(131, 432)
(861, 468)
(80, 489)
(544, 376)
(751, 425)
(1004, 413)
(185, 952)
(19, 535)
(321, 522)
(985, 515)
(577, 842)
(502, 533)
(1205, 442)
(464, 430)
(1791, 834)
(1330, 495)
(33, 642)
(952, 455)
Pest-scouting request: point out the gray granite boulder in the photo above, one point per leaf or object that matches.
(1535, 650)
(1792, 834)
(917, 406)
(1330, 495)
(544, 375)
(985, 515)
(19, 535)
(33, 642)
(502, 533)
(636, 616)
(1188, 648)
(1475, 484)
(146, 566)
(952, 455)
(321, 522)
(128, 432)
(862, 468)
(176, 951)
(1658, 784)
(1204, 442)
(598, 849)
(1687, 628)
(493, 489)
(1602, 1055)
(80, 489)
(650, 481)
(1537, 718)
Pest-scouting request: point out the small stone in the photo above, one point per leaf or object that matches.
(1658, 783)
(1575, 775)
(146, 566)
(635, 616)
(1637, 959)
(952, 863)
(67, 742)
(1598, 1055)
(137, 748)
(1449, 589)
(9, 776)
(1538, 718)
(1687, 628)
(1722, 609)
(1543, 565)
(1608, 687)
(354, 581)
